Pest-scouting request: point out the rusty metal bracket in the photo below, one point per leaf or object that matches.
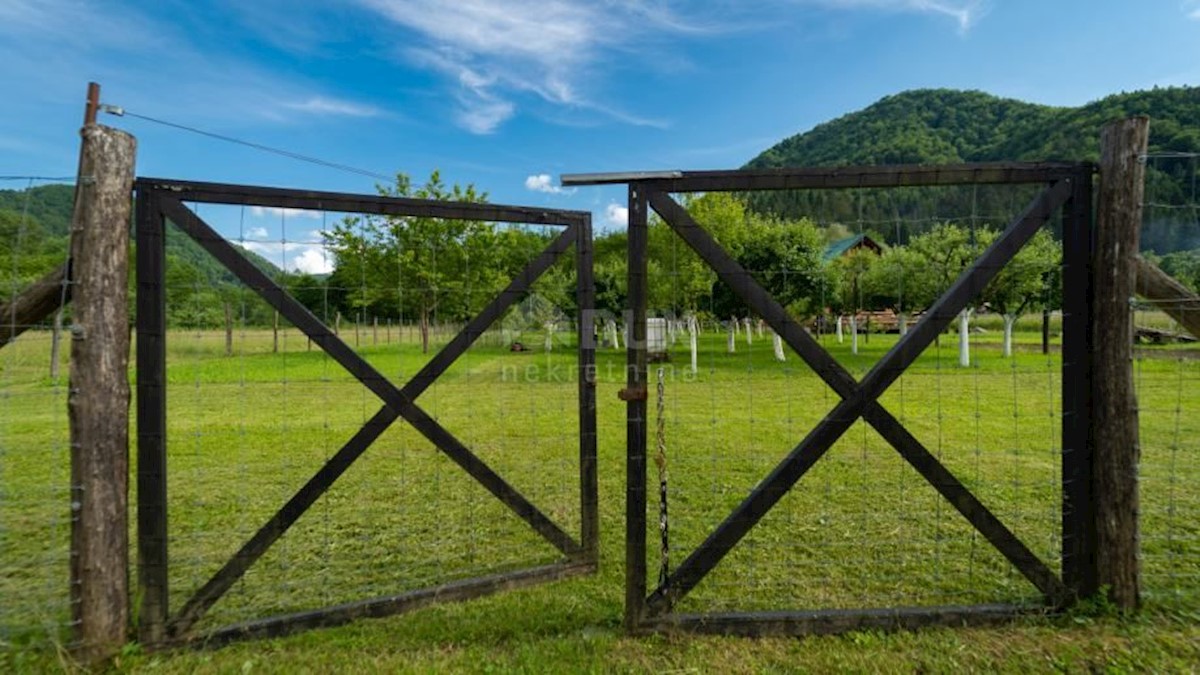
(633, 394)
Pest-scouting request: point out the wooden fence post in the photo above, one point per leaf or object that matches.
(98, 403)
(1123, 145)
(228, 329)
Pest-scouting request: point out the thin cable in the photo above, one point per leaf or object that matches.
(250, 144)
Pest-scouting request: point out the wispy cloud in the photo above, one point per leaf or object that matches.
(542, 182)
(276, 212)
(965, 13)
(1191, 8)
(494, 51)
(320, 105)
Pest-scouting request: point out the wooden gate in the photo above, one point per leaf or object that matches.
(161, 200)
(1068, 187)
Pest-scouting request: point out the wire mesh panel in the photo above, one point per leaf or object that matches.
(857, 411)
(371, 404)
(1167, 372)
(35, 476)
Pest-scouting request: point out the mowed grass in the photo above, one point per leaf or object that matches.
(862, 529)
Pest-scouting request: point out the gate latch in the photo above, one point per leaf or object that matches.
(632, 394)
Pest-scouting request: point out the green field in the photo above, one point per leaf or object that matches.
(861, 530)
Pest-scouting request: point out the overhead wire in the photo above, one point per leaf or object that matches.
(121, 112)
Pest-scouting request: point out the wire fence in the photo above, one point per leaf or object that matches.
(35, 476)
(1167, 372)
(255, 409)
(862, 528)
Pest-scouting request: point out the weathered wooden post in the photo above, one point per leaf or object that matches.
(98, 403)
(1123, 145)
(228, 329)
(275, 334)
(56, 344)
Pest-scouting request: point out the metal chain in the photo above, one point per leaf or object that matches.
(664, 566)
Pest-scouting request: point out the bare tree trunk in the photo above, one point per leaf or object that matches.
(1009, 321)
(98, 404)
(1045, 331)
(424, 331)
(692, 330)
(1114, 403)
(964, 338)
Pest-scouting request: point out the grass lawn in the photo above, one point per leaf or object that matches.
(860, 530)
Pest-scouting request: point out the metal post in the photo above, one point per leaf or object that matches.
(1078, 528)
(151, 419)
(588, 477)
(635, 414)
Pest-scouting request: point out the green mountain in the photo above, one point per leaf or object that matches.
(34, 225)
(941, 126)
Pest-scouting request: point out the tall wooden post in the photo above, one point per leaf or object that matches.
(228, 329)
(1114, 407)
(98, 403)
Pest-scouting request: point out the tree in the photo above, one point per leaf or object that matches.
(849, 272)
(1021, 283)
(948, 250)
(901, 280)
(426, 265)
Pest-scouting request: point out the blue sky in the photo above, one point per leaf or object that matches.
(509, 95)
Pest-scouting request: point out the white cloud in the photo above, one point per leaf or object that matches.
(313, 260)
(964, 12)
(319, 105)
(276, 212)
(543, 183)
(308, 257)
(257, 233)
(616, 216)
(1192, 9)
(495, 50)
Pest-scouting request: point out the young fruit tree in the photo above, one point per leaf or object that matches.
(948, 250)
(420, 265)
(1021, 284)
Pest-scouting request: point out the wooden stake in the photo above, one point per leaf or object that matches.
(228, 329)
(56, 344)
(1168, 295)
(34, 304)
(98, 403)
(1114, 406)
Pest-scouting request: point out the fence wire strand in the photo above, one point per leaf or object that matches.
(1167, 375)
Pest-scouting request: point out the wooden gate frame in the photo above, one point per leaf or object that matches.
(1069, 187)
(159, 200)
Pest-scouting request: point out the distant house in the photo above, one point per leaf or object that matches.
(841, 247)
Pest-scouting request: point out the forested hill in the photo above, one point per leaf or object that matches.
(939, 126)
(34, 225)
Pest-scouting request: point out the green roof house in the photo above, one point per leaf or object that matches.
(841, 247)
